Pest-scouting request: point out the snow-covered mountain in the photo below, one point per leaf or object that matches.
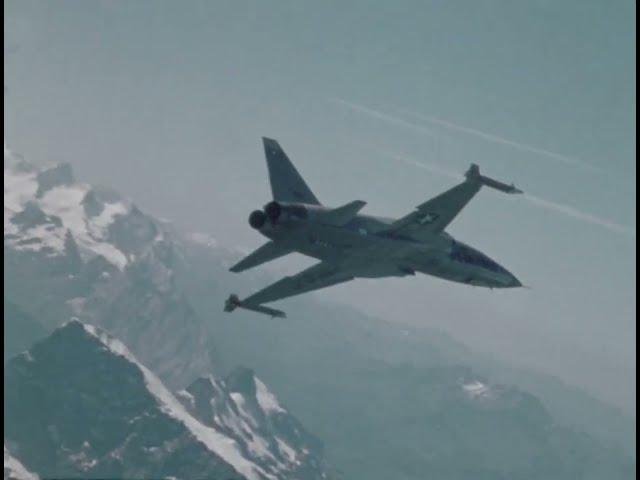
(90, 253)
(73, 250)
(47, 211)
(244, 408)
(79, 404)
(388, 402)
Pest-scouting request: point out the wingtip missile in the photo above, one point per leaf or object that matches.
(474, 175)
(234, 302)
(509, 189)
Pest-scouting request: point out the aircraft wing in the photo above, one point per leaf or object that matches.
(433, 216)
(317, 276)
(267, 252)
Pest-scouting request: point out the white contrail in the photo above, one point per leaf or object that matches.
(384, 116)
(429, 167)
(580, 215)
(452, 126)
(536, 201)
(501, 140)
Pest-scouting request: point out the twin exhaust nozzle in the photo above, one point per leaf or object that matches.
(271, 212)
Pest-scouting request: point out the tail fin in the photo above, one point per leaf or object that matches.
(286, 183)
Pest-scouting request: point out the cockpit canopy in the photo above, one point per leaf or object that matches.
(466, 254)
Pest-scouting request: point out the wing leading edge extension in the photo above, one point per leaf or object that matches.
(433, 216)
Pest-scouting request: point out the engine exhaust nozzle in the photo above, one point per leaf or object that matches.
(273, 211)
(257, 219)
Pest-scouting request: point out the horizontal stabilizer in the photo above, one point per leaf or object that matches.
(341, 215)
(234, 302)
(473, 174)
(267, 252)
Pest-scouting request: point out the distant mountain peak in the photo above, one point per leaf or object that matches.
(42, 204)
(109, 389)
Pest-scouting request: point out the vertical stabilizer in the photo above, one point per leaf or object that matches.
(286, 183)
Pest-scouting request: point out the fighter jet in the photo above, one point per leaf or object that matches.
(350, 245)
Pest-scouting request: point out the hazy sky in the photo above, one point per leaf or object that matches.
(382, 101)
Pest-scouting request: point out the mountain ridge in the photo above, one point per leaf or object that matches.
(147, 431)
(324, 361)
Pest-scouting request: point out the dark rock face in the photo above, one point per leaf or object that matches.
(32, 216)
(60, 175)
(72, 253)
(132, 233)
(92, 204)
(75, 407)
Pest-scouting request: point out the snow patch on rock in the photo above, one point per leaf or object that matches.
(203, 239)
(62, 209)
(476, 389)
(266, 399)
(13, 469)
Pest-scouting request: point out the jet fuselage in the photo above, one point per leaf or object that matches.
(350, 245)
(361, 245)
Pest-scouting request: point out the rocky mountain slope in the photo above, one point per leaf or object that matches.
(90, 253)
(79, 404)
(388, 401)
